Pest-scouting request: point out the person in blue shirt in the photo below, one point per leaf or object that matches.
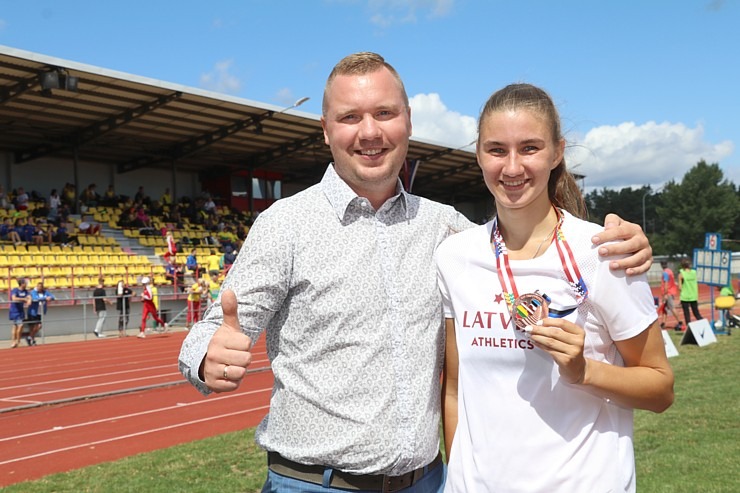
(19, 299)
(40, 296)
(192, 264)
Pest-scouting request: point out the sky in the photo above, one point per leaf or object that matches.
(645, 89)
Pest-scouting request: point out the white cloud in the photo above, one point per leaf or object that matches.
(220, 80)
(386, 13)
(432, 120)
(649, 154)
(285, 96)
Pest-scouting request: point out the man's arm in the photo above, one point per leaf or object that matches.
(635, 244)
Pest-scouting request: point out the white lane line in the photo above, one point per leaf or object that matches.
(102, 384)
(131, 435)
(179, 405)
(98, 375)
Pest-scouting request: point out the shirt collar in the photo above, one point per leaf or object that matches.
(340, 195)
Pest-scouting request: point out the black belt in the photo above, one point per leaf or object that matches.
(341, 479)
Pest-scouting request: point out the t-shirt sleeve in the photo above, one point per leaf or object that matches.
(624, 303)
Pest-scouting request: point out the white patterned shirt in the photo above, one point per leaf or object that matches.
(348, 299)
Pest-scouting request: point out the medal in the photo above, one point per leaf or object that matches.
(529, 308)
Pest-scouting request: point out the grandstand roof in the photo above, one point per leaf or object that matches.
(135, 122)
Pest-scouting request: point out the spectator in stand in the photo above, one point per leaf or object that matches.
(194, 295)
(156, 209)
(175, 273)
(68, 195)
(110, 197)
(55, 202)
(41, 231)
(166, 198)
(209, 206)
(227, 237)
(141, 198)
(89, 196)
(88, 228)
(27, 229)
(214, 264)
(147, 298)
(100, 305)
(123, 305)
(4, 202)
(19, 300)
(8, 232)
(191, 263)
(40, 297)
(142, 219)
(61, 234)
(228, 258)
(128, 218)
(175, 217)
(21, 199)
(171, 246)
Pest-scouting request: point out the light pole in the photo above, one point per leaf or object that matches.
(649, 192)
(295, 105)
(250, 175)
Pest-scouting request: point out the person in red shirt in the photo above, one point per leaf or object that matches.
(171, 247)
(668, 291)
(147, 297)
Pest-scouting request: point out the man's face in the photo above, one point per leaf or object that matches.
(367, 125)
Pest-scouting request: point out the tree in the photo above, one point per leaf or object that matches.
(703, 202)
(621, 202)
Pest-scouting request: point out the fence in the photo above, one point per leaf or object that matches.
(75, 315)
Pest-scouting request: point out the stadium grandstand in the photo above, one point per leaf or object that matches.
(165, 157)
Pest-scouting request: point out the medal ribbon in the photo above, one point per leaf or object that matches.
(570, 268)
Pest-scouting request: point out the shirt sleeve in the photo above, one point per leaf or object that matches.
(624, 303)
(260, 278)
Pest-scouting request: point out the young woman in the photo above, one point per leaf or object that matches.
(548, 351)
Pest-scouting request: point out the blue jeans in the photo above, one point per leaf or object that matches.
(432, 482)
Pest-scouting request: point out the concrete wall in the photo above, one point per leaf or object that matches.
(45, 174)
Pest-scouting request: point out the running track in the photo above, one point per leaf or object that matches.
(70, 405)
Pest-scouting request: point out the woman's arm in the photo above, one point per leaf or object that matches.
(645, 382)
(449, 387)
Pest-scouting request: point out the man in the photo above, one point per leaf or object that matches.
(668, 291)
(100, 302)
(40, 296)
(19, 299)
(340, 277)
(191, 262)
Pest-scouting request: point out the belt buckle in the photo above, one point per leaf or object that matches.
(401, 482)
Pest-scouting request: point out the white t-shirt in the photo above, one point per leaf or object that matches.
(520, 428)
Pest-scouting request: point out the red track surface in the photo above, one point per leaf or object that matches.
(49, 423)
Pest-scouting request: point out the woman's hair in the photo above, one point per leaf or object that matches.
(686, 263)
(361, 64)
(562, 187)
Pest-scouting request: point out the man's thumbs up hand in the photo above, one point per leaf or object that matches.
(228, 353)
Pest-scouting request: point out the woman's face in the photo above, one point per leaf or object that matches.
(516, 153)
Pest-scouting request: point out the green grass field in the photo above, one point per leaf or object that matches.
(693, 447)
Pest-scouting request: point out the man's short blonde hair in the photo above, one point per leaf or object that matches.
(361, 63)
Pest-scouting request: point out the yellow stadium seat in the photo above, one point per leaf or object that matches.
(63, 282)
